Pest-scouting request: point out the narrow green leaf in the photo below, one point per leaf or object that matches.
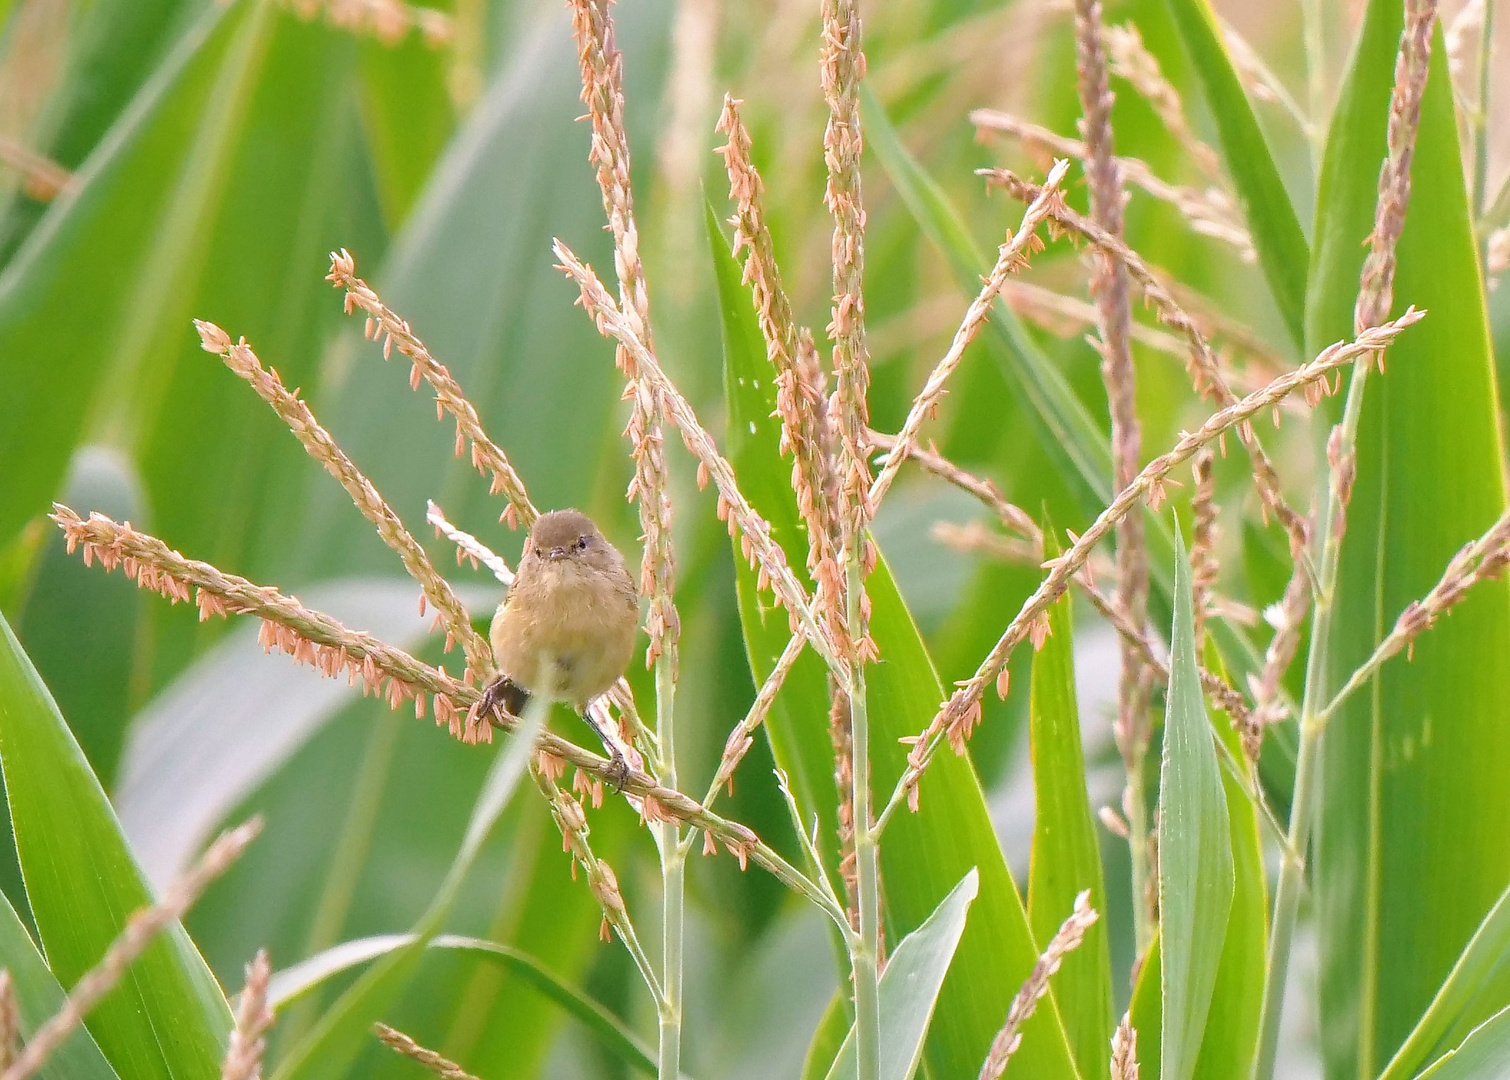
(1428, 733)
(1277, 236)
(923, 855)
(290, 984)
(336, 1040)
(1473, 988)
(910, 986)
(1066, 856)
(38, 997)
(1483, 1055)
(169, 1019)
(1195, 848)
(1230, 1040)
(1147, 1012)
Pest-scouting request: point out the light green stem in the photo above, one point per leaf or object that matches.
(1312, 724)
(1481, 115)
(673, 882)
(864, 950)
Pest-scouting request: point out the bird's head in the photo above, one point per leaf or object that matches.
(563, 535)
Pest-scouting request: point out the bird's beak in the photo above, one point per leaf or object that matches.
(558, 553)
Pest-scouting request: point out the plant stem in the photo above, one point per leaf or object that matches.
(1312, 724)
(673, 884)
(1137, 825)
(865, 950)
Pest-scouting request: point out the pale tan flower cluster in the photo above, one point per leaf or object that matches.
(800, 381)
(1209, 212)
(962, 712)
(1065, 941)
(390, 21)
(436, 1064)
(1124, 1063)
(450, 611)
(243, 1060)
(602, 67)
(394, 332)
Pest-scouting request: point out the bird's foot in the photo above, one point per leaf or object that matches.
(503, 696)
(617, 773)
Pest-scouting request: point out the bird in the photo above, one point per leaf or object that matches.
(567, 625)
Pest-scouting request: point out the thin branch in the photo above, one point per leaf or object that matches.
(292, 410)
(1209, 213)
(395, 333)
(959, 715)
(1071, 933)
(1110, 289)
(1483, 559)
(402, 1044)
(1011, 257)
(141, 930)
(243, 1060)
(320, 641)
(468, 546)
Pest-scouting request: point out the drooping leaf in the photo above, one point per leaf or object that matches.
(330, 1048)
(1195, 848)
(289, 985)
(1430, 732)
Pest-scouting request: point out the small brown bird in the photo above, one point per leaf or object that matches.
(567, 625)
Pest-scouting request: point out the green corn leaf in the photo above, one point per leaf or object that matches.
(291, 984)
(1277, 236)
(1066, 855)
(1412, 768)
(169, 1019)
(1195, 848)
(1473, 987)
(1483, 1055)
(38, 996)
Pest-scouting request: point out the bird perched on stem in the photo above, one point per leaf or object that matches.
(567, 625)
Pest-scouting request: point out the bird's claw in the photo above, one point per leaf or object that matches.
(617, 772)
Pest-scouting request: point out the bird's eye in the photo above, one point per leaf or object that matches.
(582, 543)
